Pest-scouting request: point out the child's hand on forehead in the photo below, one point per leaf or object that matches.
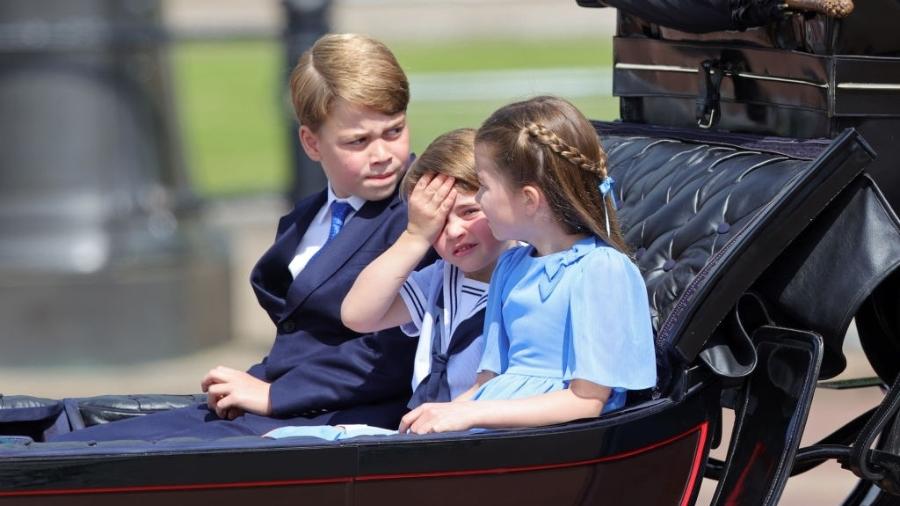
(429, 204)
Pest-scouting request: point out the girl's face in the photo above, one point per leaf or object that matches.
(501, 204)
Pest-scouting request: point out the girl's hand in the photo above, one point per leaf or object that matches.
(429, 204)
(440, 417)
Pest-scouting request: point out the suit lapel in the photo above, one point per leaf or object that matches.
(285, 246)
(336, 252)
(271, 278)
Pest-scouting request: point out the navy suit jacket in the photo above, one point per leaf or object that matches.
(316, 364)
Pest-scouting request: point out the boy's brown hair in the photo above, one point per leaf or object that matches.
(352, 67)
(451, 154)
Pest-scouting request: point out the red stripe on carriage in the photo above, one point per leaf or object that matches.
(524, 469)
(175, 488)
(695, 468)
(698, 459)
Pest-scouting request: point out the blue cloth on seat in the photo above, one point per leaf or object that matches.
(329, 432)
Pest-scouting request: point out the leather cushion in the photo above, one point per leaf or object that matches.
(109, 408)
(680, 203)
(24, 408)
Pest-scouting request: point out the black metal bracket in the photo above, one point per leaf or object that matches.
(709, 100)
(877, 466)
(770, 413)
(853, 383)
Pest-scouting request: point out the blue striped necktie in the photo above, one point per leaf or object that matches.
(339, 212)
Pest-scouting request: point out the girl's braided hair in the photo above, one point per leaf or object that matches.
(548, 143)
(571, 153)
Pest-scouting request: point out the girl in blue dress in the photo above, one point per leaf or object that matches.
(567, 328)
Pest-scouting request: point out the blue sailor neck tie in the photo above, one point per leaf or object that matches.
(436, 387)
(339, 212)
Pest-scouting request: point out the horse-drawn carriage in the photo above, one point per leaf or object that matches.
(762, 221)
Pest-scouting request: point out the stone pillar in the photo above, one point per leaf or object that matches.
(102, 257)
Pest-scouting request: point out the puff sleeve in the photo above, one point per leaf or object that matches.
(610, 338)
(495, 357)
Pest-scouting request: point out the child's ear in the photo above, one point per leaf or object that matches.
(310, 142)
(532, 198)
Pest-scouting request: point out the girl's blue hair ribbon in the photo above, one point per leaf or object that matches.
(606, 189)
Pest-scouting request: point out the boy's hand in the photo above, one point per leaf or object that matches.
(430, 202)
(231, 392)
(440, 417)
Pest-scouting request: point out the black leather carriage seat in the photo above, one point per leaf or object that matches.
(681, 202)
(707, 213)
(109, 408)
(28, 417)
(36, 418)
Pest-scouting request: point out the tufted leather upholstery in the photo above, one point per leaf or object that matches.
(680, 203)
(690, 204)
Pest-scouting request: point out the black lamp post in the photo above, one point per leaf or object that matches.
(307, 20)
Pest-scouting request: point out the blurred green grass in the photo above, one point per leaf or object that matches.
(231, 97)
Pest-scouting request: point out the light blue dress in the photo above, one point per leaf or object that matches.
(576, 314)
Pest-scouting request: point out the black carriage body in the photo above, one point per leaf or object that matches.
(573, 464)
(708, 214)
(805, 76)
(802, 75)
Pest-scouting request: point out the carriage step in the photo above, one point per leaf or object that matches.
(849, 384)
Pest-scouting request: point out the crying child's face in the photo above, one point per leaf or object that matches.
(466, 240)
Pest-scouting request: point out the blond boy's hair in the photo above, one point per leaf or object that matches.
(352, 67)
(451, 154)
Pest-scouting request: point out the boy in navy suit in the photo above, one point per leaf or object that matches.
(350, 96)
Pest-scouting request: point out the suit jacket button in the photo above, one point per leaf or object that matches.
(288, 327)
